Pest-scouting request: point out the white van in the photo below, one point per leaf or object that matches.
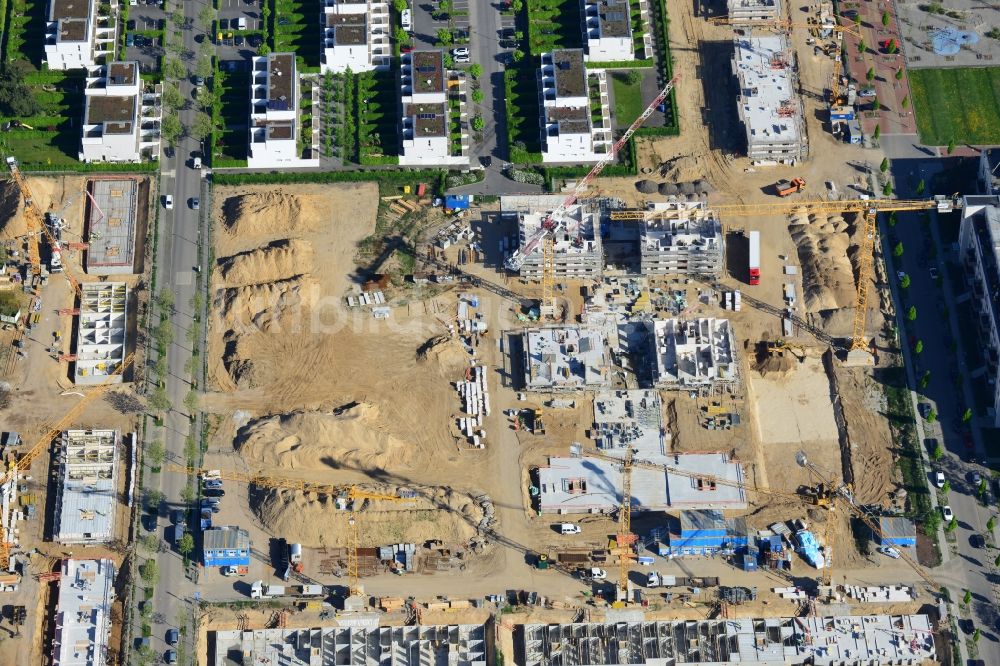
(406, 18)
(241, 23)
(196, 162)
(569, 528)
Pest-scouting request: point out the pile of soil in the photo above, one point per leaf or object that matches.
(315, 521)
(354, 437)
(827, 274)
(279, 260)
(445, 351)
(12, 223)
(263, 212)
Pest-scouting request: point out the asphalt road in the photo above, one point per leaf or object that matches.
(948, 393)
(177, 261)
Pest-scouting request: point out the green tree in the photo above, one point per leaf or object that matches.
(518, 55)
(263, 49)
(170, 127)
(885, 18)
(634, 77)
(478, 123)
(996, 562)
(892, 48)
(938, 453)
(885, 165)
(918, 348)
(517, 5)
(946, 487)
(159, 400)
(905, 281)
(202, 126)
(149, 572)
(172, 97)
(921, 186)
(477, 96)
(899, 74)
(911, 314)
(165, 299)
(857, 19)
(870, 74)
(445, 37)
(203, 67)
(991, 523)
(475, 70)
(897, 250)
(926, 379)
(967, 597)
(153, 499)
(402, 37)
(191, 400)
(981, 490)
(173, 69)
(16, 97)
(951, 146)
(449, 61)
(952, 525)
(876, 105)
(892, 219)
(877, 133)
(163, 333)
(862, 47)
(156, 453)
(399, 5)
(186, 545)
(967, 415)
(976, 635)
(931, 416)
(906, 102)
(206, 15)
(887, 189)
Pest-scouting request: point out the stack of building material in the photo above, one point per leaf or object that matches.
(880, 594)
(475, 396)
(792, 593)
(808, 547)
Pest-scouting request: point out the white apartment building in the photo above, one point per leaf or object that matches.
(747, 11)
(274, 115)
(121, 121)
(356, 36)
(608, 30)
(573, 132)
(434, 127)
(75, 35)
(768, 104)
(979, 244)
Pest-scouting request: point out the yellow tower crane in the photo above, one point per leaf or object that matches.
(354, 494)
(870, 208)
(24, 462)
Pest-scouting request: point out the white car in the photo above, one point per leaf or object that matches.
(598, 574)
(939, 479)
(460, 52)
(976, 479)
(947, 513)
(569, 528)
(889, 551)
(406, 19)
(462, 60)
(168, 201)
(934, 273)
(900, 275)
(652, 579)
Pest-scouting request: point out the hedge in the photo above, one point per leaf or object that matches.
(621, 64)
(379, 160)
(667, 60)
(229, 164)
(82, 167)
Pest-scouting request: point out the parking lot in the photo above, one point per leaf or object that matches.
(144, 34)
(235, 40)
(425, 26)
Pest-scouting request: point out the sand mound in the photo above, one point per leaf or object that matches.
(263, 306)
(12, 224)
(447, 352)
(280, 260)
(314, 521)
(269, 211)
(827, 274)
(353, 437)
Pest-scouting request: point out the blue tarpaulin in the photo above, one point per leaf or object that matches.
(456, 202)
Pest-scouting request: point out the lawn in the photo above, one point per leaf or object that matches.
(627, 98)
(377, 117)
(296, 30)
(960, 105)
(55, 139)
(553, 24)
(231, 143)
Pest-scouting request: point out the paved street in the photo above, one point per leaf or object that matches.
(177, 261)
(948, 393)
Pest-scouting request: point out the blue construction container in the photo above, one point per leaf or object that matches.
(706, 531)
(841, 113)
(897, 531)
(750, 561)
(226, 546)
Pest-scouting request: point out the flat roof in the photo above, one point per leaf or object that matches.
(697, 492)
(895, 527)
(70, 9)
(115, 112)
(227, 537)
(613, 16)
(281, 130)
(570, 73)
(570, 120)
(280, 81)
(88, 463)
(348, 28)
(122, 74)
(111, 224)
(83, 612)
(428, 119)
(428, 71)
(767, 103)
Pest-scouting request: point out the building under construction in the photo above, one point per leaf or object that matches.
(768, 103)
(565, 358)
(748, 11)
(686, 237)
(576, 246)
(111, 219)
(694, 353)
(82, 623)
(101, 327)
(780, 641)
(454, 645)
(86, 493)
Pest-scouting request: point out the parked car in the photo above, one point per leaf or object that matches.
(977, 541)
(460, 52)
(170, 657)
(214, 492)
(195, 203)
(406, 19)
(178, 515)
(889, 551)
(934, 273)
(172, 636)
(867, 92)
(238, 40)
(168, 201)
(213, 483)
(130, 25)
(947, 513)
(130, 39)
(939, 479)
(569, 528)
(976, 479)
(462, 60)
(597, 573)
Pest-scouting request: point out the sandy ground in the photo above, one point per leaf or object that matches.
(795, 407)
